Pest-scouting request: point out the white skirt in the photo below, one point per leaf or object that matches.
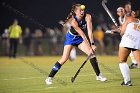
(130, 41)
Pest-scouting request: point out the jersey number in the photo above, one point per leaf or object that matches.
(136, 27)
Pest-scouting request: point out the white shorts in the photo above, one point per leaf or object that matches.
(130, 41)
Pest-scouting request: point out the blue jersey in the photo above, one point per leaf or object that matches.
(72, 37)
(81, 24)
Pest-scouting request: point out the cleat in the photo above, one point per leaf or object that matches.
(101, 78)
(127, 84)
(132, 66)
(48, 81)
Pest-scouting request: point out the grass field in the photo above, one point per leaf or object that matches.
(27, 75)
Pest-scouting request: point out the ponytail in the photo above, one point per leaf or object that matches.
(72, 13)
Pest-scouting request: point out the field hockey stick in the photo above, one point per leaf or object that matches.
(76, 74)
(111, 31)
(109, 13)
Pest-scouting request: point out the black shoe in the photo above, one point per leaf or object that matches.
(132, 66)
(127, 84)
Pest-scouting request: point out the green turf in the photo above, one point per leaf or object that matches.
(27, 75)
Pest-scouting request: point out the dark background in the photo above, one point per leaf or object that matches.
(46, 13)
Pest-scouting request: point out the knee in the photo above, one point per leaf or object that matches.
(122, 60)
(63, 59)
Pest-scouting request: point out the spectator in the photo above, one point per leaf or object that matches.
(27, 41)
(5, 42)
(99, 36)
(53, 41)
(116, 38)
(38, 42)
(15, 32)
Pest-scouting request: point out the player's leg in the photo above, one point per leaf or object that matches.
(15, 46)
(93, 61)
(133, 61)
(123, 55)
(58, 64)
(137, 57)
(11, 48)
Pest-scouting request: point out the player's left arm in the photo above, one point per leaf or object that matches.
(89, 28)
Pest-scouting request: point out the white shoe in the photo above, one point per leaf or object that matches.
(101, 78)
(48, 81)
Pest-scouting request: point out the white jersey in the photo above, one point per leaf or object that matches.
(131, 37)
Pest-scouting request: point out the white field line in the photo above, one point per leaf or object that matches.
(19, 78)
(39, 77)
(50, 87)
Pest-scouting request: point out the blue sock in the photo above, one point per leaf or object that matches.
(55, 69)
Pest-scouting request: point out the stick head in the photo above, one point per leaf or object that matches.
(72, 79)
(105, 1)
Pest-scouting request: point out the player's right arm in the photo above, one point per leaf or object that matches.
(74, 24)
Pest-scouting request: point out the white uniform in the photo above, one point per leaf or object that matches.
(131, 37)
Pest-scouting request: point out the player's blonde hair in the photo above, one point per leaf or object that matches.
(72, 12)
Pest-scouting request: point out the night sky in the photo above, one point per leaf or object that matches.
(46, 13)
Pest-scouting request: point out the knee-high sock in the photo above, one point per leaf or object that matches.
(55, 69)
(95, 66)
(125, 71)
